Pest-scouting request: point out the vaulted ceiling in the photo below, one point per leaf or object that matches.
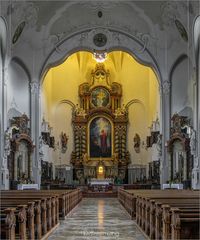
(35, 28)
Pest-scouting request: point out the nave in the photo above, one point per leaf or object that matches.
(66, 214)
(98, 219)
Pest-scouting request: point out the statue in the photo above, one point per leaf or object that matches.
(85, 158)
(41, 146)
(64, 140)
(7, 147)
(193, 142)
(159, 145)
(120, 111)
(79, 111)
(136, 141)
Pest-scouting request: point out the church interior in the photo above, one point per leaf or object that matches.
(100, 119)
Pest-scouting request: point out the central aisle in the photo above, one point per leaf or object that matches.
(98, 219)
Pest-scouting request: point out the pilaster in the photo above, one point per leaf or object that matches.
(3, 125)
(196, 157)
(165, 103)
(35, 128)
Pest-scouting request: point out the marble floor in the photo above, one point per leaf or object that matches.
(98, 219)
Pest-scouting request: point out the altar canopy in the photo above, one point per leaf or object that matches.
(100, 129)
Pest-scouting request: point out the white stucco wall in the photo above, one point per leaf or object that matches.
(18, 89)
(182, 89)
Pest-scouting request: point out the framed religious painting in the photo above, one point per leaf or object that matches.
(100, 97)
(100, 138)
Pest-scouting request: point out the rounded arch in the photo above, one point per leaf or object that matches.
(67, 102)
(117, 40)
(19, 62)
(178, 93)
(134, 101)
(3, 38)
(64, 101)
(196, 37)
(176, 63)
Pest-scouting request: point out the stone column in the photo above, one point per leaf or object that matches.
(3, 125)
(35, 129)
(196, 155)
(165, 103)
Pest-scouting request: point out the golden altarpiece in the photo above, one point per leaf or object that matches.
(20, 157)
(100, 129)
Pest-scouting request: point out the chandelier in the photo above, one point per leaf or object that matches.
(100, 56)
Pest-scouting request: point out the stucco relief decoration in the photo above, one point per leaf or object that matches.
(166, 87)
(168, 12)
(193, 141)
(121, 111)
(64, 140)
(7, 147)
(100, 39)
(24, 14)
(35, 87)
(137, 142)
(79, 111)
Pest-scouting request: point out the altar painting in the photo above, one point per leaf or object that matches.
(100, 97)
(100, 138)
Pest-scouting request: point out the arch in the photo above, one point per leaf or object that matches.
(19, 62)
(117, 40)
(176, 63)
(67, 102)
(196, 37)
(134, 101)
(3, 38)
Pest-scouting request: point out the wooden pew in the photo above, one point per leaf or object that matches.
(8, 222)
(52, 204)
(67, 198)
(33, 212)
(146, 205)
(167, 220)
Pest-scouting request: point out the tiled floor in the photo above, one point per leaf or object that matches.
(98, 219)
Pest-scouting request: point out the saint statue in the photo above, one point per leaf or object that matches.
(193, 142)
(7, 147)
(159, 144)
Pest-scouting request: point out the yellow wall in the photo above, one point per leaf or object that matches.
(138, 82)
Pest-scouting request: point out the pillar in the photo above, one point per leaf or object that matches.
(165, 103)
(35, 129)
(196, 156)
(3, 125)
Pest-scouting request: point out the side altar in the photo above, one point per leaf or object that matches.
(100, 129)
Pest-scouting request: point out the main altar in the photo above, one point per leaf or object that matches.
(100, 129)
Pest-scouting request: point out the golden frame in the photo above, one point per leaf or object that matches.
(88, 138)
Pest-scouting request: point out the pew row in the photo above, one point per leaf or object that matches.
(149, 209)
(40, 213)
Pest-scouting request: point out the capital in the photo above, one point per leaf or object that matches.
(35, 87)
(166, 87)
